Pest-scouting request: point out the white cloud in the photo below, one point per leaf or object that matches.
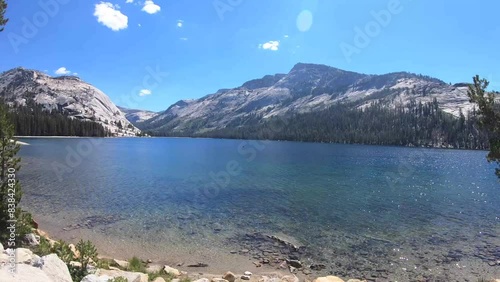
(75, 73)
(286, 36)
(145, 92)
(139, 25)
(271, 45)
(180, 23)
(129, 1)
(150, 7)
(109, 16)
(62, 71)
(183, 38)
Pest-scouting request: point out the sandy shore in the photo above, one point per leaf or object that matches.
(219, 261)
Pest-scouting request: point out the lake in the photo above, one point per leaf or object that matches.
(356, 211)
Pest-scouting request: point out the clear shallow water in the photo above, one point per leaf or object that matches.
(371, 211)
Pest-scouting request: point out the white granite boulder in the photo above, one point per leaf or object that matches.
(130, 276)
(95, 278)
(171, 270)
(24, 273)
(121, 263)
(328, 279)
(55, 268)
(23, 255)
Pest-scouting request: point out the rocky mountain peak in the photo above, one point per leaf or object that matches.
(306, 88)
(266, 81)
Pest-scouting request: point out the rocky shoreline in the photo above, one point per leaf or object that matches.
(278, 257)
(31, 267)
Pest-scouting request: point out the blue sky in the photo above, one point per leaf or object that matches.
(196, 47)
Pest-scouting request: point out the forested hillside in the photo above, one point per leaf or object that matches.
(33, 120)
(418, 124)
(306, 88)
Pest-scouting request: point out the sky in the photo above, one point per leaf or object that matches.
(151, 54)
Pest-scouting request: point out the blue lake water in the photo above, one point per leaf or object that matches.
(366, 211)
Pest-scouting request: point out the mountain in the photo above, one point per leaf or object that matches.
(137, 116)
(65, 94)
(306, 88)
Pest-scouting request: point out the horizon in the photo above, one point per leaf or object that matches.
(200, 48)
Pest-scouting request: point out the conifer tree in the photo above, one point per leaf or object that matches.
(3, 20)
(12, 219)
(489, 115)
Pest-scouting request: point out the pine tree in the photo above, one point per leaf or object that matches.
(3, 20)
(489, 113)
(14, 223)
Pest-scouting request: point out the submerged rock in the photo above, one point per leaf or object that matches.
(295, 263)
(200, 264)
(317, 267)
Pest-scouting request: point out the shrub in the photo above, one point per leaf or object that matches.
(161, 273)
(77, 273)
(44, 248)
(63, 251)
(25, 223)
(136, 265)
(87, 252)
(104, 263)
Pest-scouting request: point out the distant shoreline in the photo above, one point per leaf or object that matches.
(298, 141)
(60, 137)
